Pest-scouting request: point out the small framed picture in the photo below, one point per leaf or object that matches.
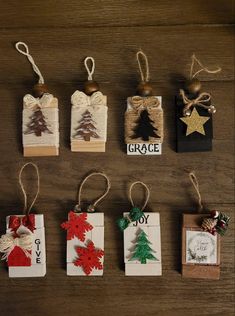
(200, 249)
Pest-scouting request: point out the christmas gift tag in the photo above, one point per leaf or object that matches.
(194, 114)
(40, 127)
(23, 245)
(201, 241)
(89, 116)
(144, 118)
(142, 240)
(85, 237)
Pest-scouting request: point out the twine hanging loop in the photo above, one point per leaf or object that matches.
(91, 207)
(147, 191)
(25, 52)
(193, 73)
(27, 209)
(194, 181)
(135, 213)
(143, 65)
(90, 71)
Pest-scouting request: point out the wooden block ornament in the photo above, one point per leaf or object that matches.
(40, 117)
(23, 245)
(89, 116)
(194, 112)
(142, 240)
(85, 236)
(201, 242)
(144, 117)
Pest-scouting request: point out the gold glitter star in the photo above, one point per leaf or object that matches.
(195, 122)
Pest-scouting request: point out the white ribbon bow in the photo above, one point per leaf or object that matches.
(44, 102)
(80, 100)
(8, 243)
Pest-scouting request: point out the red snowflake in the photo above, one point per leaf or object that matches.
(89, 258)
(77, 226)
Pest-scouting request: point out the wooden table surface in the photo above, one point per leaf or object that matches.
(60, 34)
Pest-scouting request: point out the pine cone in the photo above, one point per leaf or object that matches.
(209, 224)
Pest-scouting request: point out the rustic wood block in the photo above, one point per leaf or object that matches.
(201, 272)
(96, 235)
(200, 250)
(38, 151)
(150, 225)
(38, 259)
(81, 146)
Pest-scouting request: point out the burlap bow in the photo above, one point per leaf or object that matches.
(8, 243)
(44, 102)
(141, 103)
(201, 101)
(80, 100)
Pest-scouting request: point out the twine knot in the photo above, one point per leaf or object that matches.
(200, 101)
(140, 103)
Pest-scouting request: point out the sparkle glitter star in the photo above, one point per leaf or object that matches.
(195, 122)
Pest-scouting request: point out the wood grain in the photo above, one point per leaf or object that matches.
(60, 34)
(115, 13)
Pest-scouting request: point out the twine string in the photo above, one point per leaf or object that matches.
(143, 64)
(194, 181)
(203, 68)
(89, 70)
(147, 191)
(102, 196)
(200, 101)
(27, 210)
(31, 60)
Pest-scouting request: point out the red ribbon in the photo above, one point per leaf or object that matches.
(27, 220)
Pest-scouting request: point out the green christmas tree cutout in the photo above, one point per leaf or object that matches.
(142, 250)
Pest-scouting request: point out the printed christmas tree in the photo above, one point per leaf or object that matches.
(37, 124)
(86, 128)
(144, 128)
(142, 250)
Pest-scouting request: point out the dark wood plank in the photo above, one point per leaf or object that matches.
(60, 56)
(119, 13)
(60, 34)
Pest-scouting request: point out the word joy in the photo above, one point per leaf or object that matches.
(38, 251)
(142, 220)
(144, 149)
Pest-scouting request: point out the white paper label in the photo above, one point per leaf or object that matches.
(144, 149)
(201, 247)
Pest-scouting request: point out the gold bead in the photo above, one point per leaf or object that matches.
(144, 89)
(90, 87)
(193, 86)
(39, 89)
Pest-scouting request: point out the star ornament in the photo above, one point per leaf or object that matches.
(89, 258)
(195, 122)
